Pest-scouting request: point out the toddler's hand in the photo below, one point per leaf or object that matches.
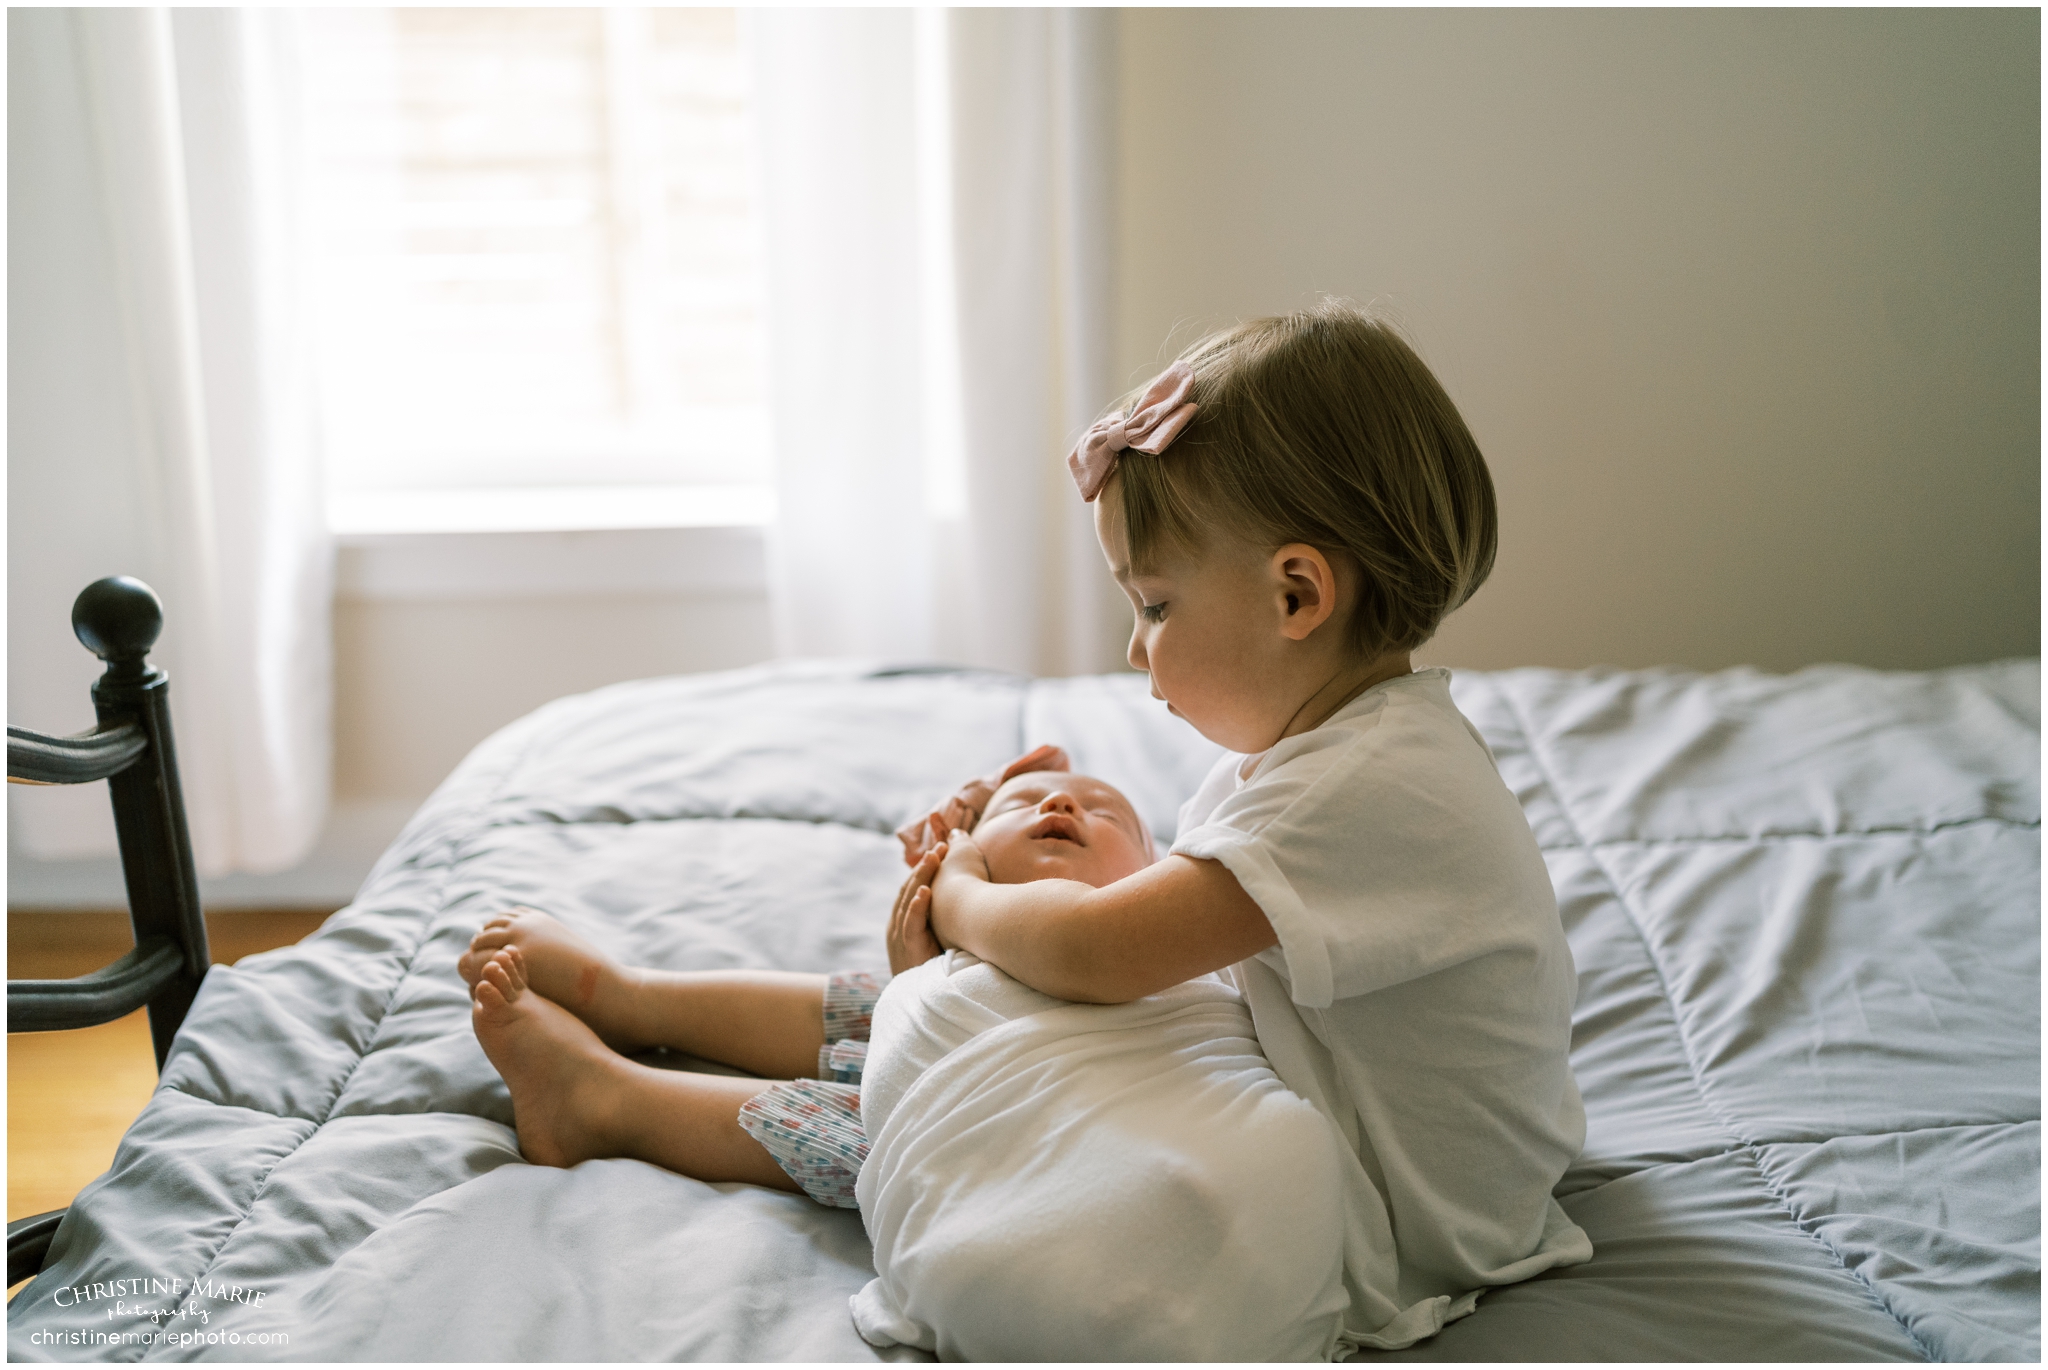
(911, 942)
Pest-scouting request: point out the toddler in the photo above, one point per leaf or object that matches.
(554, 1014)
(1292, 508)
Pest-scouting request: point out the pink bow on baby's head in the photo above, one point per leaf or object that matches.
(963, 810)
(1163, 410)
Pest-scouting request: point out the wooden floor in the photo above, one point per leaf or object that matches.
(70, 1095)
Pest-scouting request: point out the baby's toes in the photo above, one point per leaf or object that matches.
(488, 1004)
(489, 939)
(471, 963)
(497, 975)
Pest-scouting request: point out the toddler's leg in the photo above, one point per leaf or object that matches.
(574, 1099)
(765, 1022)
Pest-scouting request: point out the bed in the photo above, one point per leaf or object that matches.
(1804, 909)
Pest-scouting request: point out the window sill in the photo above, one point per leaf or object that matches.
(551, 543)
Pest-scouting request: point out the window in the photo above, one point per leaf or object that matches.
(535, 263)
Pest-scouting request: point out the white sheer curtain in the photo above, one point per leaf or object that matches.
(936, 194)
(180, 448)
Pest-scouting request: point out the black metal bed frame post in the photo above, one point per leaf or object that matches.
(118, 619)
(119, 626)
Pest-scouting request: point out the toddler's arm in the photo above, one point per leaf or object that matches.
(1174, 920)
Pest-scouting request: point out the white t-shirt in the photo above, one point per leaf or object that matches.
(1421, 992)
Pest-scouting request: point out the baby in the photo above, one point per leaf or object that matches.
(556, 1016)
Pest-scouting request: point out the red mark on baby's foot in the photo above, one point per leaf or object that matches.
(586, 985)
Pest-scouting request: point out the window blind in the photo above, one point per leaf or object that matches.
(534, 247)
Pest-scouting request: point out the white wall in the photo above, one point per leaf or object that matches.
(1743, 306)
(421, 681)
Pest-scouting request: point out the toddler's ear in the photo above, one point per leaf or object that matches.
(1305, 589)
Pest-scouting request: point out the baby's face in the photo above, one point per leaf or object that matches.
(1049, 825)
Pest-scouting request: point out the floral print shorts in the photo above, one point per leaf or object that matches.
(812, 1127)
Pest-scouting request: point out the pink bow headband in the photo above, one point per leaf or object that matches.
(1163, 410)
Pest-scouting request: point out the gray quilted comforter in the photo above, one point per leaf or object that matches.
(1805, 911)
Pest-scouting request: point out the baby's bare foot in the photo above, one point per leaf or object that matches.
(562, 966)
(555, 1066)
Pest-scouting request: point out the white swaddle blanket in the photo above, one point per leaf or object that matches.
(1055, 1181)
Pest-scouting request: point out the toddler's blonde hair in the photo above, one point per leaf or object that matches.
(1324, 427)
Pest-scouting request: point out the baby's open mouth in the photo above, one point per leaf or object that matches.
(1058, 827)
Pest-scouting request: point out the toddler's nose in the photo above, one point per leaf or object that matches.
(1059, 801)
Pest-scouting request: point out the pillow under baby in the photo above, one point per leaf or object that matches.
(1055, 1181)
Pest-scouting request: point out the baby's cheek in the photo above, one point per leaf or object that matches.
(1002, 858)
